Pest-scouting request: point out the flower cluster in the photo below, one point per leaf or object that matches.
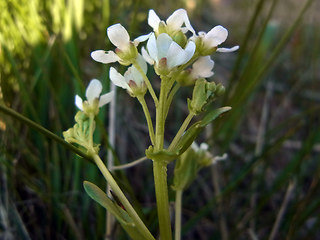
(168, 49)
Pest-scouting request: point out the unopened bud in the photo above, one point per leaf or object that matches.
(180, 38)
(220, 90)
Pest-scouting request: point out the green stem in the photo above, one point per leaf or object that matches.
(146, 80)
(116, 189)
(181, 131)
(160, 167)
(43, 131)
(148, 117)
(178, 206)
(160, 121)
(170, 98)
(161, 187)
(91, 120)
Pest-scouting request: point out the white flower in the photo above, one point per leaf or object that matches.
(164, 48)
(202, 68)
(120, 38)
(215, 37)
(132, 78)
(93, 92)
(173, 23)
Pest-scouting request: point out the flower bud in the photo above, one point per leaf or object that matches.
(220, 90)
(199, 97)
(180, 38)
(184, 78)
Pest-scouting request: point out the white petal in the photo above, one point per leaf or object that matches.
(178, 56)
(202, 67)
(104, 57)
(216, 36)
(118, 79)
(146, 56)
(142, 63)
(106, 98)
(132, 74)
(225, 50)
(195, 146)
(204, 146)
(152, 47)
(175, 56)
(190, 49)
(153, 20)
(78, 102)
(119, 36)
(163, 43)
(140, 39)
(93, 90)
(176, 19)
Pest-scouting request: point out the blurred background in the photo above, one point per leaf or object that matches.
(268, 188)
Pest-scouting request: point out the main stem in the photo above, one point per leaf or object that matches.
(178, 206)
(161, 187)
(160, 170)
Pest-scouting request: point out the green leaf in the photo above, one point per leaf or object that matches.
(190, 135)
(162, 155)
(213, 115)
(117, 211)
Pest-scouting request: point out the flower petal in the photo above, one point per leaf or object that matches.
(104, 57)
(202, 68)
(106, 98)
(142, 63)
(79, 102)
(216, 36)
(226, 50)
(119, 36)
(153, 20)
(118, 79)
(204, 146)
(152, 47)
(140, 39)
(146, 56)
(163, 43)
(189, 49)
(93, 90)
(177, 19)
(175, 56)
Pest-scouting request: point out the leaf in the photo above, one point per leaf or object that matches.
(213, 115)
(162, 155)
(120, 214)
(189, 136)
(192, 133)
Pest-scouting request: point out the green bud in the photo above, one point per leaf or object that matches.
(68, 135)
(199, 97)
(184, 78)
(211, 86)
(220, 90)
(180, 38)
